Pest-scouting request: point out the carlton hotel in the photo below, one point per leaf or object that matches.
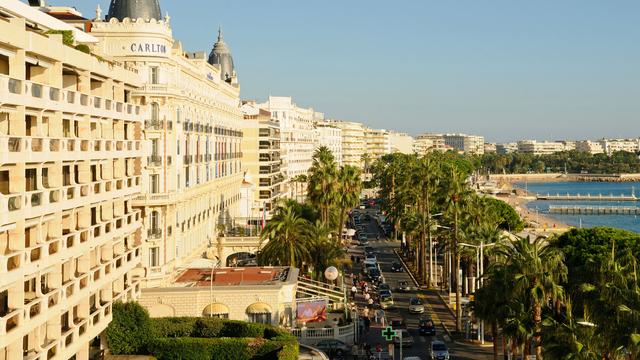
(119, 157)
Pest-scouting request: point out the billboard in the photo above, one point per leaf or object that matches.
(311, 311)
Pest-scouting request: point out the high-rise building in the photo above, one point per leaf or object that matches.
(540, 148)
(425, 143)
(330, 136)
(192, 173)
(261, 162)
(354, 144)
(378, 143)
(401, 142)
(298, 138)
(70, 167)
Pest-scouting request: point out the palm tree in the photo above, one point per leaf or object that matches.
(537, 270)
(457, 193)
(324, 250)
(322, 182)
(492, 302)
(286, 234)
(349, 189)
(569, 339)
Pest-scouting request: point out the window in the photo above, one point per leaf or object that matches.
(153, 219)
(154, 147)
(154, 257)
(155, 111)
(154, 75)
(154, 183)
(4, 302)
(31, 179)
(264, 318)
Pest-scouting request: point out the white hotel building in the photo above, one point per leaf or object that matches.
(192, 171)
(71, 160)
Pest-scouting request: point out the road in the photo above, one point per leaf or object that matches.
(433, 307)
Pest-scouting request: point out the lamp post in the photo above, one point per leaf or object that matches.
(213, 267)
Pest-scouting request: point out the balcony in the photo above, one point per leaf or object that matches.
(187, 159)
(154, 234)
(153, 125)
(32, 94)
(154, 160)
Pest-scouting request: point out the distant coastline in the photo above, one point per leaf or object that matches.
(558, 177)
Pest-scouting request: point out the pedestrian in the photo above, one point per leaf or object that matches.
(354, 290)
(365, 312)
(367, 324)
(354, 351)
(370, 301)
(381, 316)
(367, 297)
(375, 316)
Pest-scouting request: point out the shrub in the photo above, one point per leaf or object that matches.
(290, 351)
(207, 328)
(174, 327)
(201, 349)
(84, 48)
(67, 36)
(130, 330)
(242, 329)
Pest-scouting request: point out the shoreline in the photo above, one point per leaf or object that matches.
(562, 177)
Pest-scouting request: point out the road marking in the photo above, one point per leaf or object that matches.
(434, 315)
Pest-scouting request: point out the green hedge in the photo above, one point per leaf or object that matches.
(132, 332)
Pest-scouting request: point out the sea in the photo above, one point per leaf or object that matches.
(626, 222)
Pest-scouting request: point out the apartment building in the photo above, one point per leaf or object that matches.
(490, 148)
(539, 148)
(378, 143)
(610, 146)
(469, 144)
(506, 148)
(330, 136)
(70, 168)
(298, 138)
(261, 161)
(192, 171)
(401, 142)
(592, 147)
(354, 144)
(425, 143)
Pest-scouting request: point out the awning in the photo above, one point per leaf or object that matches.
(6, 52)
(259, 308)
(37, 61)
(215, 309)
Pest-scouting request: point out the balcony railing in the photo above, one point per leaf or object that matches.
(154, 234)
(154, 160)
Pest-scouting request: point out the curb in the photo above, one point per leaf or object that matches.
(446, 304)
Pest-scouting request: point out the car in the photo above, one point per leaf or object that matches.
(397, 267)
(363, 242)
(383, 287)
(416, 306)
(426, 326)
(374, 274)
(386, 302)
(397, 323)
(382, 293)
(333, 347)
(411, 358)
(370, 263)
(405, 337)
(371, 257)
(404, 286)
(369, 250)
(438, 350)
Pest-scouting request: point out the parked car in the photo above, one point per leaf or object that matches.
(427, 326)
(386, 302)
(407, 339)
(397, 267)
(438, 350)
(382, 293)
(333, 347)
(416, 306)
(382, 287)
(404, 286)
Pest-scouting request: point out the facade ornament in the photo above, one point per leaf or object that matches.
(167, 18)
(98, 13)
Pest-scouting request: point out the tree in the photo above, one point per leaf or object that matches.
(537, 270)
(286, 233)
(130, 329)
(492, 303)
(324, 250)
(348, 195)
(322, 182)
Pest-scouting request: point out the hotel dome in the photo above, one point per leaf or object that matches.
(134, 9)
(221, 56)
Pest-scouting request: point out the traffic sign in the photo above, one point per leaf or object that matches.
(389, 333)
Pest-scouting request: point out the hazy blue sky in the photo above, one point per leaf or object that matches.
(544, 69)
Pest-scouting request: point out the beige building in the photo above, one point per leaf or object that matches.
(298, 138)
(192, 173)
(330, 136)
(261, 295)
(592, 147)
(425, 143)
(469, 144)
(540, 148)
(610, 146)
(506, 148)
(490, 148)
(401, 142)
(70, 167)
(261, 162)
(353, 142)
(378, 143)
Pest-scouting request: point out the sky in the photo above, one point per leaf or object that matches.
(508, 70)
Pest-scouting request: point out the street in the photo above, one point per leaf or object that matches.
(434, 308)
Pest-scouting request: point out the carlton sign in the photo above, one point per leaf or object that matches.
(148, 48)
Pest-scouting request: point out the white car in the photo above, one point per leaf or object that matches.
(416, 306)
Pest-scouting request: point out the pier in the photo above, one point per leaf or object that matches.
(594, 210)
(588, 197)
